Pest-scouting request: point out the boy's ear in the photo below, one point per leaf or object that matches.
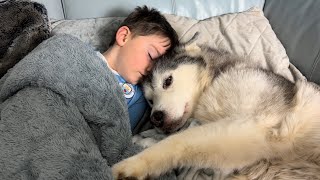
(122, 35)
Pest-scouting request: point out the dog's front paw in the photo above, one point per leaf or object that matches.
(131, 168)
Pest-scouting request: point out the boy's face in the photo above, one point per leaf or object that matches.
(136, 55)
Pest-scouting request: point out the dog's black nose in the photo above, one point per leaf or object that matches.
(157, 118)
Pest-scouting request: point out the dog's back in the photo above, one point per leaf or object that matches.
(287, 112)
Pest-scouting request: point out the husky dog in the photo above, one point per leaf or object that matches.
(254, 122)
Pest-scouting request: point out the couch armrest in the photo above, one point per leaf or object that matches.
(297, 25)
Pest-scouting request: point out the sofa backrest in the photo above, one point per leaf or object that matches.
(198, 9)
(297, 25)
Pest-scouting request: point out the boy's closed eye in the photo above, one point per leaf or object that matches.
(153, 52)
(151, 58)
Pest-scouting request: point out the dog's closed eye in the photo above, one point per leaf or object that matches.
(150, 102)
(167, 82)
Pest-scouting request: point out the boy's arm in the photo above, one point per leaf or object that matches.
(137, 110)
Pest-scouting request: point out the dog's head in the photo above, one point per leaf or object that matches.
(172, 89)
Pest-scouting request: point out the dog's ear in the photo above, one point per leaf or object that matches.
(191, 41)
(190, 47)
(193, 50)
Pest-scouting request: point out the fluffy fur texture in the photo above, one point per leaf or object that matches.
(23, 26)
(63, 115)
(255, 124)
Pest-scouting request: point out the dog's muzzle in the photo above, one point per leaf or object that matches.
(157, 118)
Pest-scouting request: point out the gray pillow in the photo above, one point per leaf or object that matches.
(97, 32)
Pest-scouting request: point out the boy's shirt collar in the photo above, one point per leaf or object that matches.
(127, 88)
(105, 60)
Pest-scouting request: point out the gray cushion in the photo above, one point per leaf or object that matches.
(297, 25)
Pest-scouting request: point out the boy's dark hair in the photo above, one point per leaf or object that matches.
(144, 21)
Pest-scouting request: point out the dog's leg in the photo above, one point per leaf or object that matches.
(219, 145)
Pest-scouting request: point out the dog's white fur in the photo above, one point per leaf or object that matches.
(253, 120)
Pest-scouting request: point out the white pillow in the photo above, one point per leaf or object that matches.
(246, 33)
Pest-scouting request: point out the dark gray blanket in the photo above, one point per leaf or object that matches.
(23, 25)
(63, 115)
